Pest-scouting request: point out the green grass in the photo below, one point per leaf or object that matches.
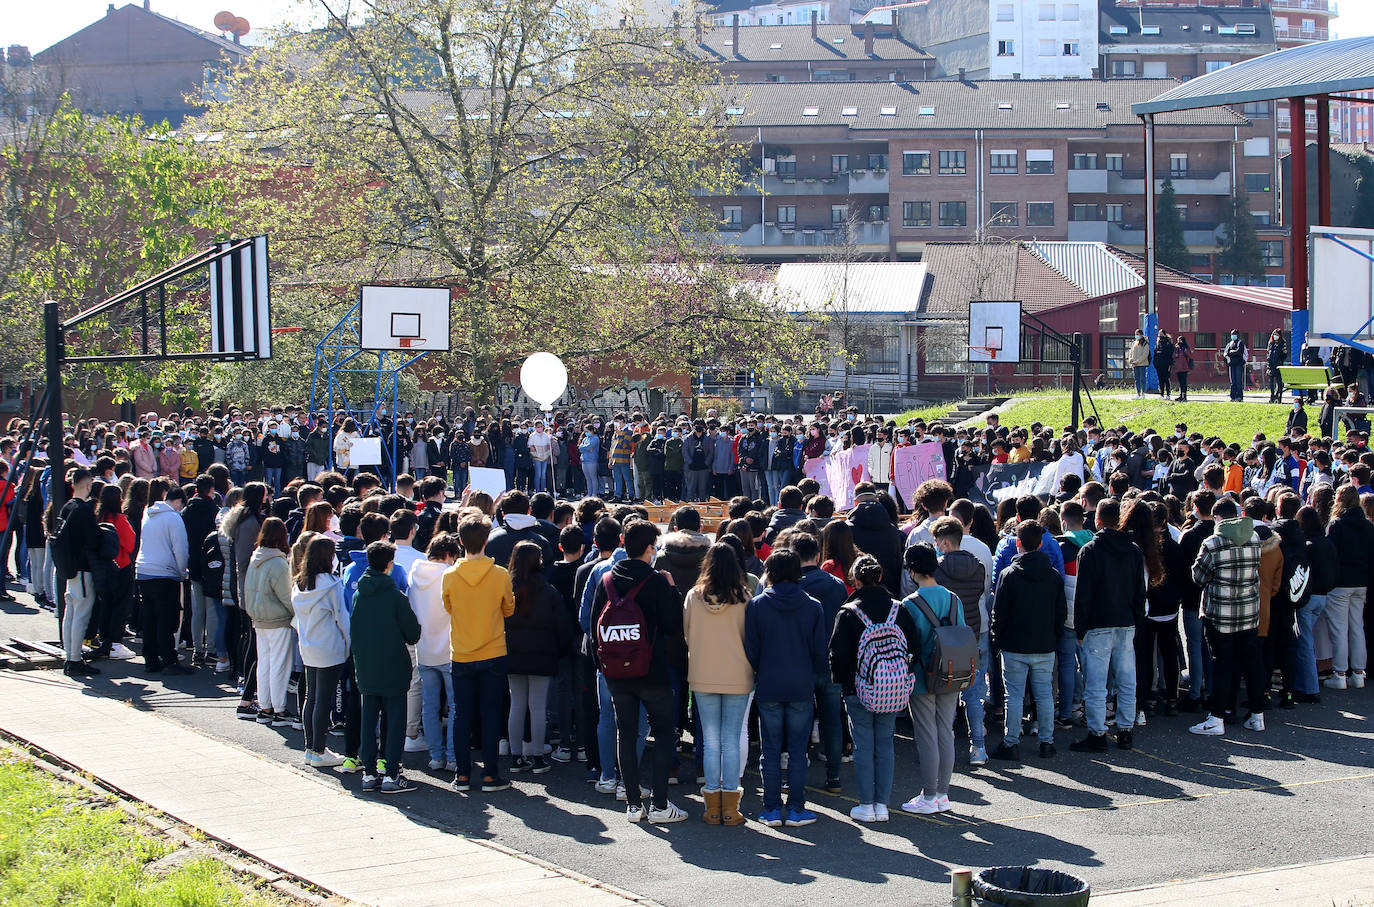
(1229, 421)
(62, 845)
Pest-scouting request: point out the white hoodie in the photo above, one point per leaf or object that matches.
(435, 649)
(321, 622)
(163, 552)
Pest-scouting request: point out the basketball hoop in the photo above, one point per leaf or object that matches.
(286, 330)
(412, 343)
(989, 351)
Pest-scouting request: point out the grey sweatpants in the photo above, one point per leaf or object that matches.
(932, 719)
(528, 691)
(80, 604)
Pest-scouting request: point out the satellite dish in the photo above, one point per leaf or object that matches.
(223, 20)
(239, 26)
(544, 378)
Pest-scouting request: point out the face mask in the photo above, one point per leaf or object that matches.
(619, 426)
(661, 436)
(295, 434)
(157, 445)
(772, 436)
(815, 434)
(193, 436)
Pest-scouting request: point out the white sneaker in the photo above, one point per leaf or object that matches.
(668, 814)
(504, 748)
(562, 754)
(864, 812)
(436, 765)
(942, 803)
(620, 794)
(607, 787)
(880, 812)
(451, 765)
(328, 759)
(1255, 722)
(1335, 682)
(121, 652)
(416, 745)
(310, 759)
(221, 667)
(1140, 719)
(921, 806)
(635, 813)
(1212, 727)
(784, 762)
(1356, 681)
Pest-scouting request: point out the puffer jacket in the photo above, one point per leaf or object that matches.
(874, 534)
(681, 554)
(540, 631)
(1352, 535)
(321, 622)
(963, 574)
(267, 590)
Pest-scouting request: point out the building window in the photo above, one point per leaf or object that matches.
(1006, 48)
(1003, 162)
(1262, 218)
(1187, 313)
(1178, 165)
(1115, 162)
(954, 214)
(1123, 69)
(787, 167)
(839, 214)
(1040, 214)
(1047, 12)
(1215, 65)
(877, 214)
(880, 353)
(1071, 48)
(1255, 110)
(734, 217)
(916, 163)
(1114, 356)
(1006, 12)
(839, 163)
(1271, 250)
(1047, 47)
(1115, 213)
(1003, 214)
(915, 214)
(1258, 182)
(946, 349)
(1106, 315)
(787, 214)
(1069, 12)
(1083, 212)
(1205, 340)
(953, 163)
(1039, 161)
(1083, 162)
(877, 161)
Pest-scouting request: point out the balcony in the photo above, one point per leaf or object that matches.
(770, 235)
(1191, 182)
(1327, 7)
(1090, 181)
(1195, 235)
(1089, 230)
(874, 181)
(1301, 34)
(829, 184)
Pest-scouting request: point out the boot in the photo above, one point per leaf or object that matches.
(712, 814)
(729, 807)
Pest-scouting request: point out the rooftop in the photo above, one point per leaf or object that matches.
(1090, 266)
(870, 288)
(1215, 27)
(793, 43)
(129, 13)
(960, 272)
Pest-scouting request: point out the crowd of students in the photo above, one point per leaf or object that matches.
(1159, 576)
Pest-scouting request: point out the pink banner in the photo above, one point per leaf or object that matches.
(913, 464)
(815, 469)
(845, 469)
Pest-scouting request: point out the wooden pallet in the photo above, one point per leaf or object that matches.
(712, 511)
(27, 655)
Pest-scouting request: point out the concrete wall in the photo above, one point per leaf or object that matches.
(1074, 22)
(955, 32)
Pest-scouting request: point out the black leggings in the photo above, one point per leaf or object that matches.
(1182, 383)
(1164, 388)
(1148, 634)
(319, 698)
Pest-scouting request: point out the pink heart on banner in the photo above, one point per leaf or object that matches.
(856, 472)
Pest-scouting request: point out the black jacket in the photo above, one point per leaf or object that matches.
(1030, 606)
(1321, 555)
(84, 533)
(1353, 537)
(1189, 544)
(425, 522)
(539, 632)
(504, 540)
(1111, 583)
(753, 447)
(964, 575)
(844, 639)
(681, 553)
(199, 515)
(783, 518)
(662, 607)
(874, 534)
(1167, 597)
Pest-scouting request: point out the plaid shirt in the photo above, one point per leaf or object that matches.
(1229, 576)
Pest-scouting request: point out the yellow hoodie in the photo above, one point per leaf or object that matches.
(478, 598)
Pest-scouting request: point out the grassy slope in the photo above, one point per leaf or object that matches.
(1230, 421)
(61, 845)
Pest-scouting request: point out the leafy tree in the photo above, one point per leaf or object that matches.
(1363, 215)
(549, 170)
(91, 205)
(1170, 248)
(1241, 256)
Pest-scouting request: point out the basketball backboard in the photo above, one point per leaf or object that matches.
(1341, 298)
(405, 318)
(994, 332)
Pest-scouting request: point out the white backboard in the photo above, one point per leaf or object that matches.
(240, 304)
(1341, 294)
(994, 332)
(411, 319)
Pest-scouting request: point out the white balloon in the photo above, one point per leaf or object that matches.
(544, 378)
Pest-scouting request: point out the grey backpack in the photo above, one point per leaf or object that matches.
(954, 658)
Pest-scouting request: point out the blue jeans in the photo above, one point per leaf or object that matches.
(1304, 656)
(722, 717)
(784, 726)
(433, 681)
(541, 475)
(1109, 649)
(1017, 668)
(1199, 664)
(481, 684)
(238, 477)
(976, 695)
(1070, 681)
(623, 477)
(605, 730)
(873, 754)
(590, 477)
(829, 702)
(1237, 374)
(272, 476)
(1142, 377)
(777, 480)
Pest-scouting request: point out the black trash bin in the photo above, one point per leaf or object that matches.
(1026, 886)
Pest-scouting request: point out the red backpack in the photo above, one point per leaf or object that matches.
(624, 646)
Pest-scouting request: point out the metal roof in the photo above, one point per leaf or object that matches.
(1323, 67)
(1273, 297)
(1090, 266)
(873, 288)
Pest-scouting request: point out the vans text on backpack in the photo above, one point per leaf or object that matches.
(954, 657)
(883, 678)
(624, 648)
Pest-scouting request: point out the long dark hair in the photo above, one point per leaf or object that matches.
(1139, 524)
(525, 570)
(319, 559)
(111, 501)
(722, 576)
(837, 544)
(273, 535)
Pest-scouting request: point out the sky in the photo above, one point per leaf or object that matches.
(40, 24)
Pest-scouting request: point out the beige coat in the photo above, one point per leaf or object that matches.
(715, 646)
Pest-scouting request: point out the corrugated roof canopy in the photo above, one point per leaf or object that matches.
(1323, 67)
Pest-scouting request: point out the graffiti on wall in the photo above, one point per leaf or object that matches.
(632, 396)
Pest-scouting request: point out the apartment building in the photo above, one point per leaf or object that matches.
(808, 53)
(878, 170)
(1043, 40)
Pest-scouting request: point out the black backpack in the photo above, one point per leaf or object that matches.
(62, 545)
(1295, 586)
(109, 542)
(212, 566)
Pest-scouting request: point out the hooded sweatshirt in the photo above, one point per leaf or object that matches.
(1111, 583)
(1030, 606)
(267, 590)
(425, 591)
(876, 603)
(681, 553)
(516, 528)
(321, 622)
(355, 573)
(478, 598)
(662, 609)
(786, 639)
(874, 534)
(715, 644)
(163, 551)
(382, 626)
